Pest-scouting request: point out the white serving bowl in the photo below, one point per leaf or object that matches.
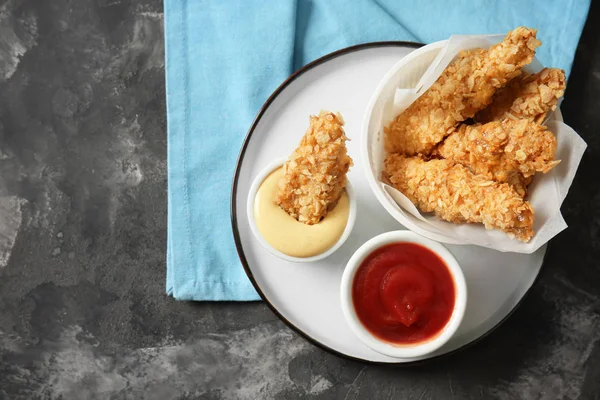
(379, 112)
(250, 211)
(409, 350)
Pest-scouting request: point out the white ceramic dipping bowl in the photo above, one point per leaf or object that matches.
(250, 211)
(398, 350)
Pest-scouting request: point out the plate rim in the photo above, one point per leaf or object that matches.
(238, 242)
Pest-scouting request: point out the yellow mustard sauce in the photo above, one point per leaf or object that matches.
(289, 236)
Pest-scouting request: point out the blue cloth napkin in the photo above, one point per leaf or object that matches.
(224, 58)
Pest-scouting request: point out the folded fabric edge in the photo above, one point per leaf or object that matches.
(169, 47)
(215, 291)
(577, 24)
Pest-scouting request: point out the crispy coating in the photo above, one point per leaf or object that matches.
(465, 87)
(315, 173)
(455, 194)
(519, 182)
(526, 97)
(505, 151)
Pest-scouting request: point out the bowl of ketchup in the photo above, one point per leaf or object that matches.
(403, 295)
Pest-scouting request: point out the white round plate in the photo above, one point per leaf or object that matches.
(306, 296)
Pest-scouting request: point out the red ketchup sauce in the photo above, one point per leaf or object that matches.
(403, 293)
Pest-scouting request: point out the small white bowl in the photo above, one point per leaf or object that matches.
(250, 211)
(408, 350)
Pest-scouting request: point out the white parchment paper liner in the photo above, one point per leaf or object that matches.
(546, 193)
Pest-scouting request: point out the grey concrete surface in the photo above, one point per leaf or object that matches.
(83, 313)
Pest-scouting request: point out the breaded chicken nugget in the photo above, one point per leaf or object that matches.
(455, 194)
(505, 151)
(315, 173)
(465, 87)
(526, 97)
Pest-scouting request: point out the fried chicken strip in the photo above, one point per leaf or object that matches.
(315, 173)
(526, 97)
(465, 87)
(505, 151)
(455, 194)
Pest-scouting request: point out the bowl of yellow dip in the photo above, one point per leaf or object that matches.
(284, 236)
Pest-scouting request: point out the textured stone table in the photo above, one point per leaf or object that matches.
(83, 313)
